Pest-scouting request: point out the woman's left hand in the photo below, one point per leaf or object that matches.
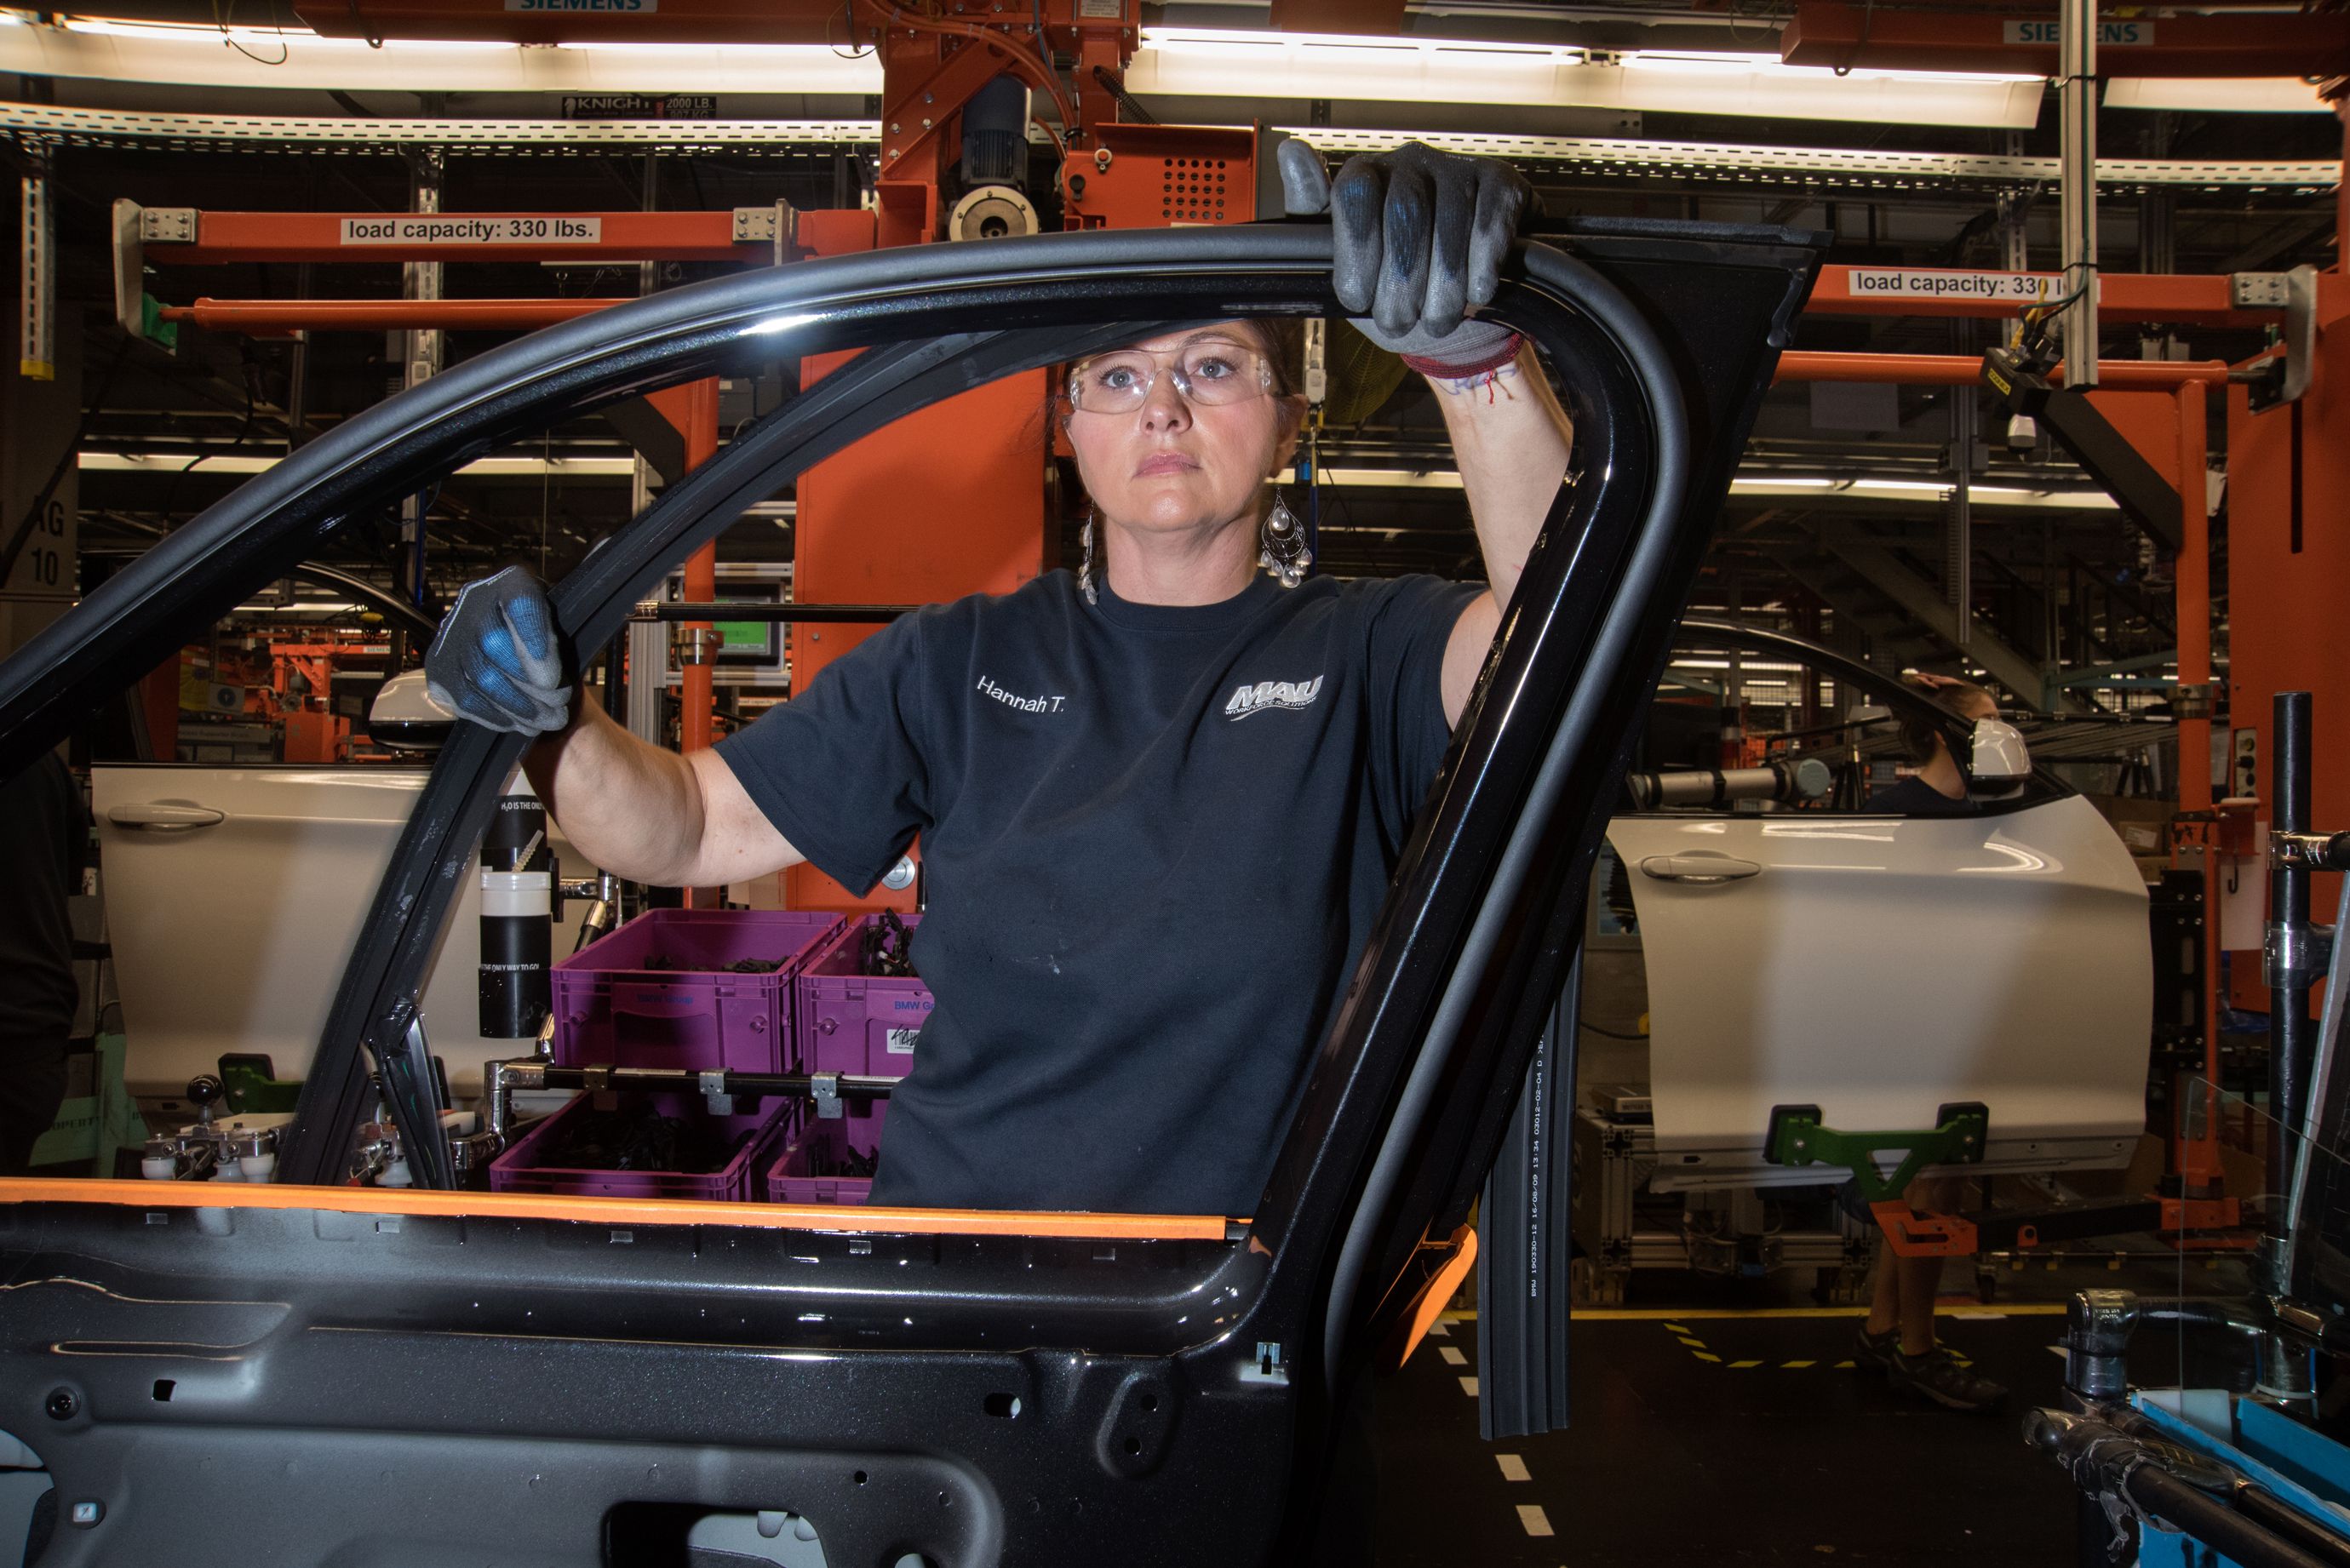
(1418, 238)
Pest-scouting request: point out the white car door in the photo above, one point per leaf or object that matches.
(232, 897)
(1882, 967)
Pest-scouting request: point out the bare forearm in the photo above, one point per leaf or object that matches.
(632, 808)
(1511, 439)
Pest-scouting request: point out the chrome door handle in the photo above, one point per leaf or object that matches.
(170, 814)
(1705, 867)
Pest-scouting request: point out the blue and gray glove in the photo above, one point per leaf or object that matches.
(1417, 237)
(498, 660)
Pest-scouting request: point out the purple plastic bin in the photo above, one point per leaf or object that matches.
(816, 1143)
(850, 1022)
(846, 1021)
(519, 1169)
(610, 1009)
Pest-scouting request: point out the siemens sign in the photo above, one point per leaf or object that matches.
(2044, 32)
(583, 5)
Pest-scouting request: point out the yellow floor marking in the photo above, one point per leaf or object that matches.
(1513, 1468)
(1440, 1329)
(1795, 1366)
(1676, 1328)
(1536, 1521)
(1453, 1354)
(1469, 1387)
(1706, 1356)
(1844, 1367)
(1698, 1342)
(1735, 1364)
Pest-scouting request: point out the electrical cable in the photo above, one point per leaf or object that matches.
(222, 17)
(1611, 1033)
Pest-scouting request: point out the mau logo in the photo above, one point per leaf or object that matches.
(1265, 694)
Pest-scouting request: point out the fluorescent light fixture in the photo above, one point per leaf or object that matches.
(2223, 95)
(112, 50)
(172, 462)
(1861, 488)
(1747, 665)
(1217, 63)
(1826, 485)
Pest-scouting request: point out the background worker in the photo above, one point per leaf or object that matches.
(1898, 1337)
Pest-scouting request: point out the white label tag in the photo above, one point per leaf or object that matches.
(900, 1041)
(1906, 282)
(471, 228)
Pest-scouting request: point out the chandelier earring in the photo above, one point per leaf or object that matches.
(1282, 540)
(1085, 559)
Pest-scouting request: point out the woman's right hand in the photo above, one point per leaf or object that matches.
(498, 660)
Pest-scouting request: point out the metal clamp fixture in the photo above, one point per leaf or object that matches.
(2098, 1327)
(824, 1088)
(696, 644)
(1795, 1137)
(2310, 851)
(2284, 379)
(2295, 956)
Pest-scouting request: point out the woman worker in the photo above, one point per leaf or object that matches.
(1159, 799)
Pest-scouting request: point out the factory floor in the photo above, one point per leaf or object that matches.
(1713, 1423)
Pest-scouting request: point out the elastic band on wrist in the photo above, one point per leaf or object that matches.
(1444, 370)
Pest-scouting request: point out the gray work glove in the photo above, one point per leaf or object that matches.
(497, 661)
(1417, 237)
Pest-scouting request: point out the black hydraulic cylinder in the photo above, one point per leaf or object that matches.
(2292, 949)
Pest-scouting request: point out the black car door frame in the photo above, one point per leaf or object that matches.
(1409, 1093)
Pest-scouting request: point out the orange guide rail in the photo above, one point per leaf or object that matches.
(144, 1194)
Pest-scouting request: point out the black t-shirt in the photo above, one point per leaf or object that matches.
(1913, 796)
(43, 841)
(1154, 839)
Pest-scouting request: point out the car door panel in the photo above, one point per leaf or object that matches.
(234, 894)
(1881, 967)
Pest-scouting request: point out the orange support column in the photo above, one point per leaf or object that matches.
(693, 409)
(2288, 556)
(947, 502)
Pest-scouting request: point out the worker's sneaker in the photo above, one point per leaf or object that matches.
(1875, 1351)
(1939, 1377)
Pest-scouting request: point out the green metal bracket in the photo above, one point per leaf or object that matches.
(1797, 1137)
(153, 328)
(252, 1086)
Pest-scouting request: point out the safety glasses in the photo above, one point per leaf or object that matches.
(1205, 370)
